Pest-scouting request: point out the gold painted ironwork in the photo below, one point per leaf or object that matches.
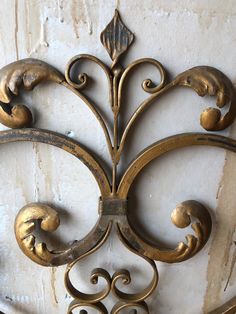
(228, 308)
(113, 204)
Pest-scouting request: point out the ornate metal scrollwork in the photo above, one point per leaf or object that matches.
(113, 204)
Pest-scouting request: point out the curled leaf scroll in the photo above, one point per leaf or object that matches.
(210, 81)
(25, 224)
(26, 73)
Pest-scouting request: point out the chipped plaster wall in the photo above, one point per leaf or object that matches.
(180, 34)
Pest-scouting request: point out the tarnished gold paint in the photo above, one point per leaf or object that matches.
(113, 204)
(227, 308)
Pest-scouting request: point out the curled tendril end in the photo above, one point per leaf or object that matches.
(210, 118)
(205, 80)
(19, 116)
(25, 224)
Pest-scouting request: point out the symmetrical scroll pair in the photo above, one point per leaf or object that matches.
(113, 204)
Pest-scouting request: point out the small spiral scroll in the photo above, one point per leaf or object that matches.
(27, 73)
(210, 81)
(124, 275)
(83, 77)
(127, 299)
(95, 275)
(85, 297)
(147, 85)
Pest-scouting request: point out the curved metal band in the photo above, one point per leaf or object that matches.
(189, 208)
(120, 306)
(183, 251)
(76, 304)
(124, 275)
(146, 83)
(83, 77)
(55, 258)
(95, 275)
(39, 252)
(166, 145)
(63, 142)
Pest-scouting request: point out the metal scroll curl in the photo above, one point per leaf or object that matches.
(95, 275)
(207, 80)
(120, 306)
(25, 224)
(46, 216)
(27, 73)
(75, 304)
(117, 39)
(83, 77)
(181, 216)
(127, 300)
(147, 84)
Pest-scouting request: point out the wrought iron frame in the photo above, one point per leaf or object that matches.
(113, 205)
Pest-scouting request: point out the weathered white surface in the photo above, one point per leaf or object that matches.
(180, 34)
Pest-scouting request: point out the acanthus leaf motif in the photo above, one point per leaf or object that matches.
(26, 73)
(207, 80)
(116, 37)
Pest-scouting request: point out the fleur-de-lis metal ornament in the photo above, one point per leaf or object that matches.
(113, 205)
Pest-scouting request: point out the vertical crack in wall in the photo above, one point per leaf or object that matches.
(53, 284)
(80, 15)
(75, 17)
(60, 6)
(88, 19)
(117, 4)
(222, 252)
(16, 29)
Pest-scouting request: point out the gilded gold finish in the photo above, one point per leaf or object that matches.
(227, 308)
(101, 309)
(123, 306)
(24, 225)
(113, 203)
(26, 72)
